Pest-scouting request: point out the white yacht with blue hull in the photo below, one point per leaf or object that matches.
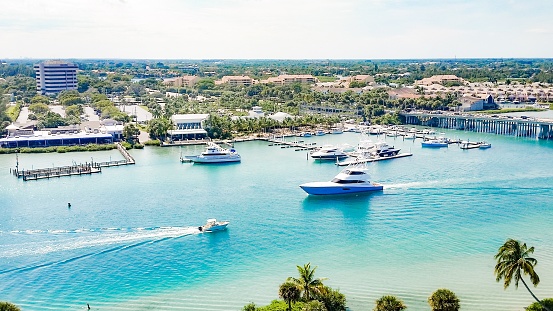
(353, 179)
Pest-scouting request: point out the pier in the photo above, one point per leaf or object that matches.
(519, 127)
(300, 145)
(375, 159)
(43, 173)
(72, 170)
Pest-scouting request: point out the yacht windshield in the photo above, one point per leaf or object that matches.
(342, 181)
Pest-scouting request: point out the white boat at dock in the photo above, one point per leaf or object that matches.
(366, 158)
(328, 152)
(485, 145)
(436, 142)
(214, 154)
(336, 130)
(213, 225)
(353, 179)
(465, 145)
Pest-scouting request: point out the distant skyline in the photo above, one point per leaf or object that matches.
(276, 29)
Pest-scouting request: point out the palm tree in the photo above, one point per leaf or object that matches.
(307, 283)
(290, 293)
(389, 303)
(444, 300)
(7, 306)
(513, 258)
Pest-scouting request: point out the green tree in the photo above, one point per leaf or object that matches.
(513, 259)
(289, 292)
(157, 128)
(74, 111)
(314, 305)
(39, 108)
(40, 99)
(536, 306)
(249, 307)
(130, 132)
(444, 300)
(307, 283)
(332, 299)
(7, 306)
(389, 303)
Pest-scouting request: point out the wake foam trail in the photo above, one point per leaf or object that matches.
(92, 239)
(172, 234)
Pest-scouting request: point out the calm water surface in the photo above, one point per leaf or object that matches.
(128, 241)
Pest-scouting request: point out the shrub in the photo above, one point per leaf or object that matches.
(126, 145)
(444, 300)
(281, 305)
(332, 299)
(7, 306)
(548, 302)
(152, 142)
(389, 303)
(138, 146)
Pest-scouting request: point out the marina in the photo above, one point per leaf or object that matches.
(420, 217)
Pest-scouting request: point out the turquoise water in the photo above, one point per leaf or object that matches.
(128, 242)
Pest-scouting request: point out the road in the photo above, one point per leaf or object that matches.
(142, 116)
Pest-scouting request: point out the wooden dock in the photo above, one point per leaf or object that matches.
(367, 160)
(74, 170)
(46, 173)
(299, 144)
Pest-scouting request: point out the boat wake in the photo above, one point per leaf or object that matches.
(63, 240)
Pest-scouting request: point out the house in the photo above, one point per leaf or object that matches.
(290, 79)
(475, 103)
(441, 79)
(184, 81)
(368, 79)
(113, 128)
(237, 80)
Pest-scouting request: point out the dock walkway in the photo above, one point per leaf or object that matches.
(299, 145)
(73, 170)
(367, 160)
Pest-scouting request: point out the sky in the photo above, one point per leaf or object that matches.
(275, 29)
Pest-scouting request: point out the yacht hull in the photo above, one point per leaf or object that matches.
(434, 145)
(329, 188)
(213, 159)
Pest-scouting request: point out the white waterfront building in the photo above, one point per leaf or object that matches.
(188, 126)
(55, 76)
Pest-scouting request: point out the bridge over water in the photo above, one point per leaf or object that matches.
(541, 129)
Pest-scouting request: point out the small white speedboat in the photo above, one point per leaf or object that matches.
(484, 145)
(213, 225)
(353, 179)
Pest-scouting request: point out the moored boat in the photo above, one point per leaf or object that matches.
(328, 152)
(215, 154)
(436, 142)
(484, 145)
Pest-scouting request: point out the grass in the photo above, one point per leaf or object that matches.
(507, 110)
(59, 149)
(326, 79)
(13, 111)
